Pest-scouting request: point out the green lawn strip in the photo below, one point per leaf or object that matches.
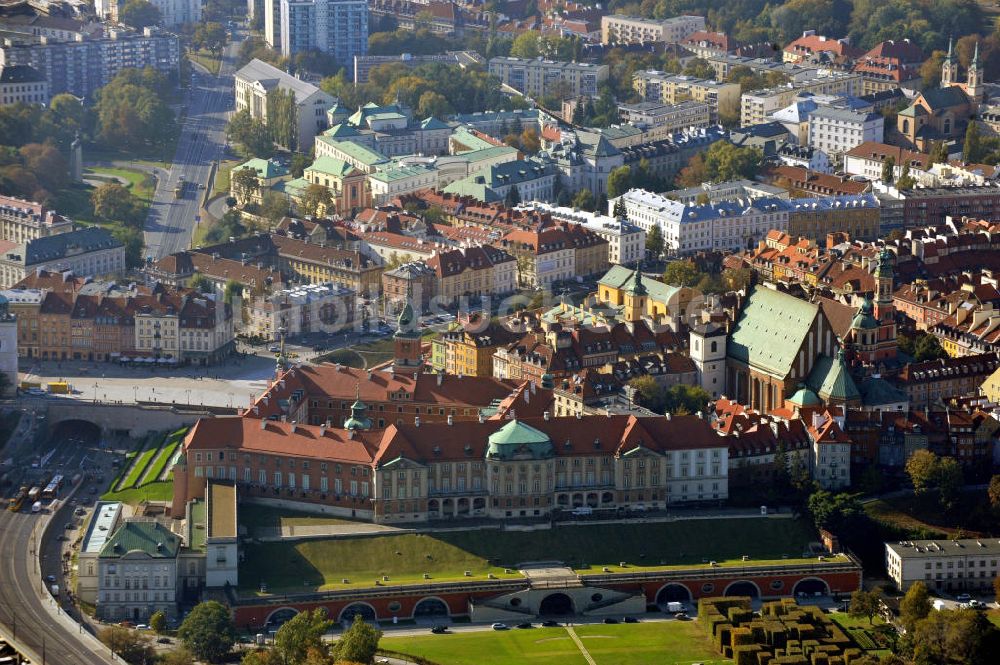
(126, 466)
(861, 631)
(141, 461)
(163, 457)
(345, 357)
(222, 174)
(540, 646)
(255, 515)
(158, 491)
(206, 60)
(657, 643)
(324, 562)
(646, 643)
(140, 183)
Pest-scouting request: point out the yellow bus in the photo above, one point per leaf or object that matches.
(59, 387)
(17, 501)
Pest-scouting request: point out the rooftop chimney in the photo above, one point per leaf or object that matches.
(451, 419)
(416, 421)
(545, 415)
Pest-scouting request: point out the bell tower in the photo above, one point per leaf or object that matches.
(974, 83)
(635, 298)
(949, 68)
(406, 344)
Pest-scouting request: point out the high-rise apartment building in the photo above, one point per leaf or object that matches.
(337, 27)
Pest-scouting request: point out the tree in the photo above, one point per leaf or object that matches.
(930, 70)
(620, 211)
(178, 656)
(513, 197)
(993, 492)
(113, 203)
(204, 284)
(245, 184)
(527, 45)
(131, 111)
(262, 657)
(232, 290)
(619, 181)
(905, 181)
(693, 174)
(834, 512)
(949, 480)
(158, 620)
(300, 634)
(250, 134)
(700, 68)
(972, 147)
(314, 198)
(914, 606)
(922, 470)
(889, 170)
(584, 200)
(681, 273)
(139, 14)
(683, 399)
(939, 153)
(210, 36)
(273, 207)
(736, 279)
(129, 645)
(654, 241)
(47, 163)
(530, 141)
(647, 392)
(927, 347)
(954, 636)
(433, 104)
(865, 603)
(208, 631)
(358, 643)
(132, 238)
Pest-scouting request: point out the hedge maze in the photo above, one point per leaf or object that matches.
(784, 633)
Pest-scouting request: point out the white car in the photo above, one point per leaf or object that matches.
(499, 626)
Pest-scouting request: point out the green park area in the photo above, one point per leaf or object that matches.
(446, 556)
(655, 643)
(146, 474)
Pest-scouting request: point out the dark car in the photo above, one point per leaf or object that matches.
(550, 624)
(526, 624)
(163, 640)
(630, 620)
(610, 620)
(438, 630)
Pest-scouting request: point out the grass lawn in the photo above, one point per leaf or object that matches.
(140, 183)
(206, 60)
(345, 357)
(167, 450)
(74, 201)
(221, 183)
(903, 514)
(373, 353)
(656, 643)
(254, 515)
(156, 491)
(322, 563)
(141, 461)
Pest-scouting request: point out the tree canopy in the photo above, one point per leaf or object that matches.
(208, 631)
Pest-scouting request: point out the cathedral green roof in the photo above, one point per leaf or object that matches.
(770, 330)
(517, 439)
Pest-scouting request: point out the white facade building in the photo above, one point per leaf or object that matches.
(966, 564)
(174, 13)
(727, 225)
(303, 309)
(626, 241)
(835, 131)
(707, 346)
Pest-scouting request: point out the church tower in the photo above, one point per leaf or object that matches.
(884, 272)
(635, 298)
(949, 68)
(406, 344)
(974, 83)
(707, 346)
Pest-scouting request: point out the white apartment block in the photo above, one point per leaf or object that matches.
(965, 564)
(619, 29)
(832, 464)
(727, 225)
(836, 130)
(257, 78)
(757, 106)
(728, 191)
(22, 84)
(540, 77)
(626, 241)
(399, 179)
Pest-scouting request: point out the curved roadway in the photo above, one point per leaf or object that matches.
(171, 221)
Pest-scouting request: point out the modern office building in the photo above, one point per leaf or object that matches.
(965, 564)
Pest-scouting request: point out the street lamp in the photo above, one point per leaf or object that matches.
(135, 394)
(95, 392)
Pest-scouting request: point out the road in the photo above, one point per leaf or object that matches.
(171, 221)
(27, 612)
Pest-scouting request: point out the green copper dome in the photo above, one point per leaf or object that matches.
(865, 318)
(804, 397)
(517, 440)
